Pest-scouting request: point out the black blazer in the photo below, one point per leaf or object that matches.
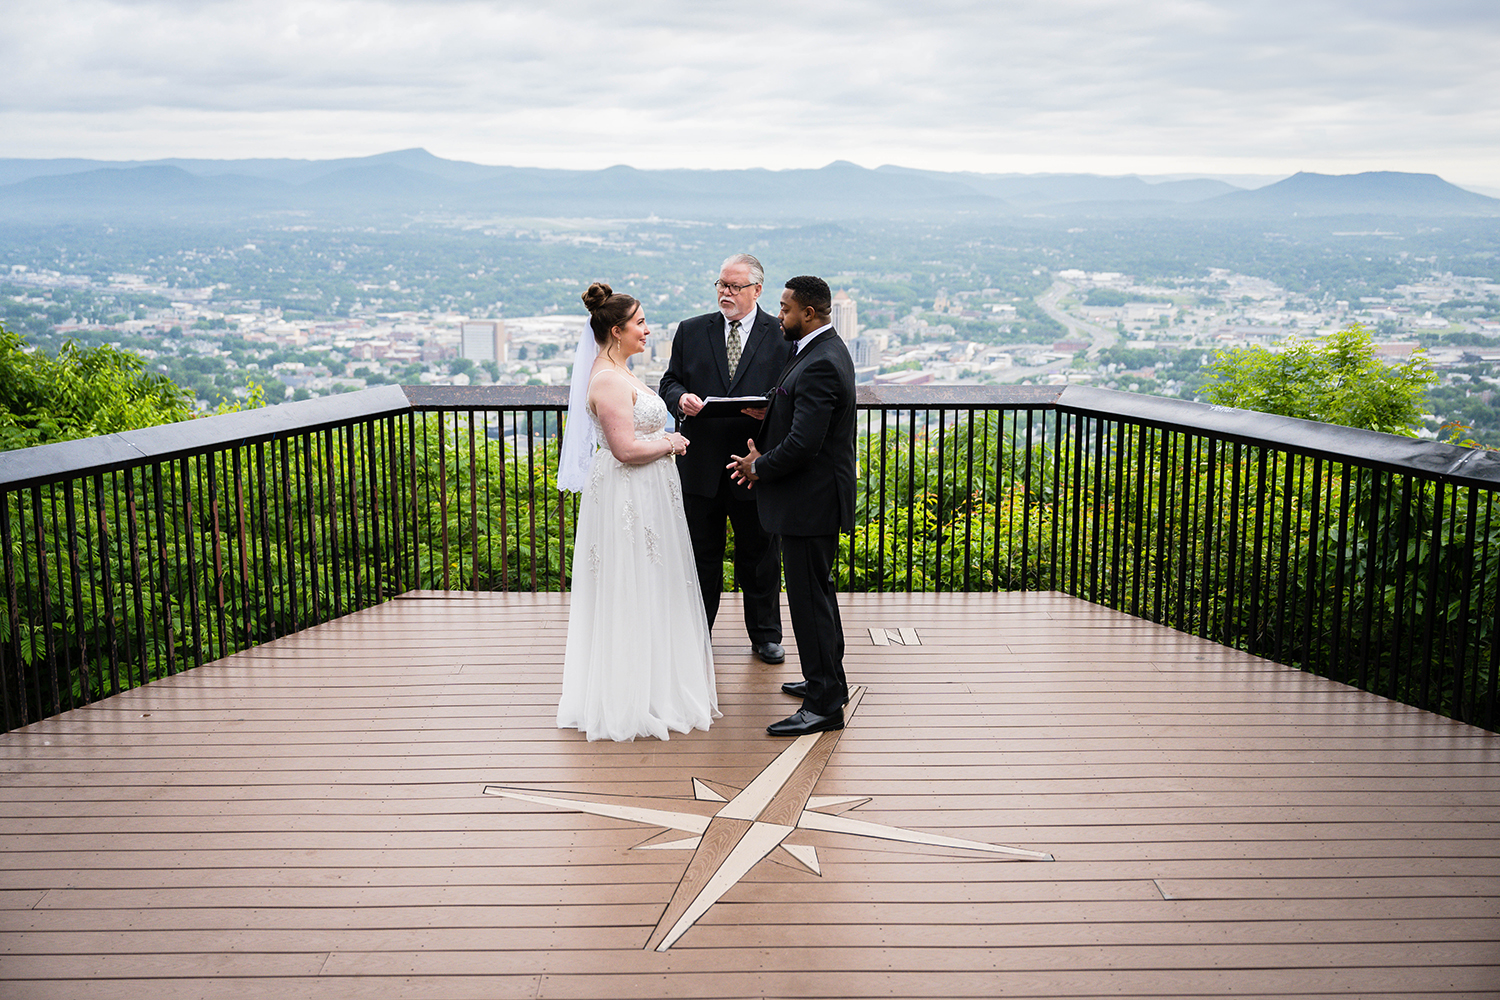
(700, 364)
(806, 471)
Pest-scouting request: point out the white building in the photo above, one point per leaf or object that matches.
(865, 350)
(845, 316)
(483, 340)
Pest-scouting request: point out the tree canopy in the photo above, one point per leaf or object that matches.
(1337, 380)
(78, 393)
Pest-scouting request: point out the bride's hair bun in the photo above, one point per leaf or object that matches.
(597, 295)
(607, 310)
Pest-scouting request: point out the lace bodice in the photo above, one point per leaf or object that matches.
(650, 416)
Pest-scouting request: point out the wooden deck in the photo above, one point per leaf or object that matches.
(309, 819)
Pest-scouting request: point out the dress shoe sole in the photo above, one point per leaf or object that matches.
(805, 730)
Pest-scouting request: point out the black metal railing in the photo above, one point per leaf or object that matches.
(487, 471)
(133, 556)
(1367, 558)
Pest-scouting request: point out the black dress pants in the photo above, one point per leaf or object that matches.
(812, 601)
(757, 566)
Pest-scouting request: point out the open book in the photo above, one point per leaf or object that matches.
(729, 406)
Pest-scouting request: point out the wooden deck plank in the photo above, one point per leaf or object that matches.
(306, 819)
(527, 988)
(485, 953)
(449, 828)
(100, 850)
(79, 911)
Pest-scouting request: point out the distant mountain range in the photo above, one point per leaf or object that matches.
(1373, 193)
(413, 180)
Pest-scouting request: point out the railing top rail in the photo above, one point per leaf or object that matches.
(1389, 452)
(128, 449)
(1428, 459)
(486, 397)
(961, 397)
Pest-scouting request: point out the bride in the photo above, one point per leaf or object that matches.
(638, 660)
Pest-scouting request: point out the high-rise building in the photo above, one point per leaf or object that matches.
(483, 340)
(865, 351)
(845, 316)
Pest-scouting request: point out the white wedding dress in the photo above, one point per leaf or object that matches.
(639, 661)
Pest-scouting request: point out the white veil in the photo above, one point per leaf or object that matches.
(579, 439)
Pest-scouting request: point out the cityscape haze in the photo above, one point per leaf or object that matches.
(1082, 279)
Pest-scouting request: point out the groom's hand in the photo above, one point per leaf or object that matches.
(742, 467)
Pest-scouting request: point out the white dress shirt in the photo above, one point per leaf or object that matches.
(808, 339)
(801, 343)
(746, 322)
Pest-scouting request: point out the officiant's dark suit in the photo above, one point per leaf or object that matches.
(803, 470)
(700, 368)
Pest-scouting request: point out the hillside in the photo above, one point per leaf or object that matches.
(415, 181)
(1372, 193)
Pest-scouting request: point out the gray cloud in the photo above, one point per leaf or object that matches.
(1099, 85)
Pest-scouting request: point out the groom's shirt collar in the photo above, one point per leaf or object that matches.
(808, 339)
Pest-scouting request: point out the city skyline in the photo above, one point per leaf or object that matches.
(1076, 86)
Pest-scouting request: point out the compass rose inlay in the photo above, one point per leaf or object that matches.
(748, 827)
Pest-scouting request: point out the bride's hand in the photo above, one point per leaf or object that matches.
(678, 442)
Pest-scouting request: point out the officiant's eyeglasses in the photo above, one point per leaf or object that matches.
(725, 286)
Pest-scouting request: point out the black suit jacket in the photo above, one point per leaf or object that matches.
(700, 364)
(806, 471)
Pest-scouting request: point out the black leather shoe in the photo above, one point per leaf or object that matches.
(770, 652)
(805, 722)
(797, 689)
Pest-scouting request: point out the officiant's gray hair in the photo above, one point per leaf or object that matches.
(757, 273)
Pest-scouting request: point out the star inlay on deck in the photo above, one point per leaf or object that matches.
(745, 829)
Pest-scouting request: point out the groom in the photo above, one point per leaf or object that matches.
(802, 465)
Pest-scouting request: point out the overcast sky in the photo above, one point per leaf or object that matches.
(1100, 86)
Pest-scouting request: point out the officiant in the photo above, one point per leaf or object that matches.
(736, 351)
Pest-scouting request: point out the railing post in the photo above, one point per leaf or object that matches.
(107, 583)
(13, 674)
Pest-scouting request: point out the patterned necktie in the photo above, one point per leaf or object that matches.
(734, 347)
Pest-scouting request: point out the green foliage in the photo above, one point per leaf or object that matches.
(79, 393)
(944, 503)
(1336, 381)
(488, 514)
(254, 399)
